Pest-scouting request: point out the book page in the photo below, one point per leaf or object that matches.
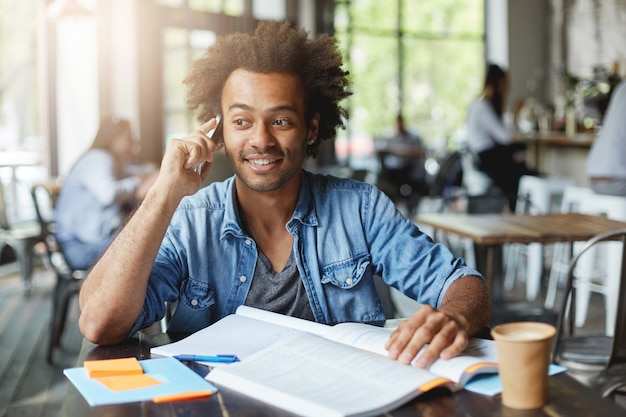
(373, 339)
(312, 376)
(232, 335)
(362, 336)
(283, 320)
(478, 357)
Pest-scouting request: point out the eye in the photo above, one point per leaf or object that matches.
(241, 122)
(281, 122)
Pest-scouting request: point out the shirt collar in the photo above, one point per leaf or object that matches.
(304, 213)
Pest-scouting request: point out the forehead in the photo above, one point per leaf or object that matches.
(263, 92)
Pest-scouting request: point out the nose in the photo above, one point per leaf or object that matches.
(262, 137)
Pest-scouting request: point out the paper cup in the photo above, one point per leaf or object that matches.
(523, 360)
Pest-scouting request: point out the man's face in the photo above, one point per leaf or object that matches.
(265, 130)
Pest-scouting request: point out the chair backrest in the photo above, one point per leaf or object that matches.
(474, 180)
(574, 196)
(612, 206)
(43, 202)
(4, 221)
(565, 321)
(536, 194)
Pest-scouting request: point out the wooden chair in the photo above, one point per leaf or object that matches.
(21, 236)
(606, 352)
(68, 280)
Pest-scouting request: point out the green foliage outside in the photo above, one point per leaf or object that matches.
(442, 70)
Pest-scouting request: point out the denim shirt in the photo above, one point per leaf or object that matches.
(345, 232)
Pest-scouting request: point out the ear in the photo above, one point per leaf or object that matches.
(314, 125)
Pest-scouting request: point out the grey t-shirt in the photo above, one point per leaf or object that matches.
(281, 292)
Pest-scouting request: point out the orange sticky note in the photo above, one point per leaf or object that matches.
(113, 367)
(182, 396)
(127, 382)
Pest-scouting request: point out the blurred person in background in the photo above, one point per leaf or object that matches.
(98, 193)
(402, 158)
(606, 161)
(491, 141)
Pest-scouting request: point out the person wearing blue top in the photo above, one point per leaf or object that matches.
(274, 236)
(97, 193)
(606, 161)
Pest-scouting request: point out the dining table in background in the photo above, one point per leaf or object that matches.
(556, 153)
(567, 396)
(13, 161)
(493, 231)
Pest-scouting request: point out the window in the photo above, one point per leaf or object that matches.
(190, 27)
(20, 85)
(422, 59)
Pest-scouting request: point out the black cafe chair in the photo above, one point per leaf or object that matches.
(21, 236)
(594, 351)
(68, 280)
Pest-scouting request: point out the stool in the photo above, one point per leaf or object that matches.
(537, 195)
(573, 197)
(614, 207)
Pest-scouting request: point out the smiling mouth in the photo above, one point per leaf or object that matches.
(261, 162)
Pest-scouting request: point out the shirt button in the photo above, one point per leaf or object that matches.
(194, 302)
(248, 242)
(349, 281)
(243, 278)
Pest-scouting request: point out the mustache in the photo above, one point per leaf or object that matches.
(272, 153)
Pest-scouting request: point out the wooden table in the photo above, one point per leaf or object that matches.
(567, 396)
(495, 230)
(13, 161)
(543, 147)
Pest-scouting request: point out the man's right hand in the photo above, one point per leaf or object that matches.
(182, 159)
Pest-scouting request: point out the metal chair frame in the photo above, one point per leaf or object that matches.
(68, 280)
(613, 375)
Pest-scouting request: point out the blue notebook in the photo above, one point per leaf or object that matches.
(174, 377)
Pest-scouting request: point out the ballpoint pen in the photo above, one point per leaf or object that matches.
(209, 358)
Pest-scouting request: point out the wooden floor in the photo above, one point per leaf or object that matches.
(29, 386)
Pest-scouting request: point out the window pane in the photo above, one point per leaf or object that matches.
(269, 9)
(375, 15)
(176, 63)
(373, 68)
(177, 125)
(443, 17)
(170, 3)
(19, 80)
(200, 40)
(442, 65)
(213, 6)
(437, 93)
(175, 38)
(234, 7)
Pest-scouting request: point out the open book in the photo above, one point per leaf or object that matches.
(313, 369)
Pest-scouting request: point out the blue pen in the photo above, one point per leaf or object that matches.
(203, 358)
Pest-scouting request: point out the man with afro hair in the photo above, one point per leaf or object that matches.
(274, 236)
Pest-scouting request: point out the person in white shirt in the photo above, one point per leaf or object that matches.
(491, 141)
(97, 194)
(606, 162)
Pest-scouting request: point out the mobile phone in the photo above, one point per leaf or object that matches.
(216, 135)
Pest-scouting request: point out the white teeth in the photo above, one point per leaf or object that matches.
(260, 161)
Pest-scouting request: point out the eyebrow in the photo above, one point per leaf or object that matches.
(274, 109)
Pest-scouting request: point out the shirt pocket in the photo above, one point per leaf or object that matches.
(194, 308)
(350, 291)
(346, 274)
